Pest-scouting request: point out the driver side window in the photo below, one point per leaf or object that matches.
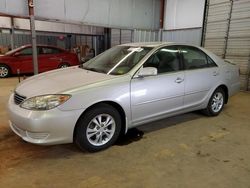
(165, 60)
(26, 51)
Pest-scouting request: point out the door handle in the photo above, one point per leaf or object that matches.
(179, 80)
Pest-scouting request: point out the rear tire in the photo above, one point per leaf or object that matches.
(4, 71)
(98, 128)
(216, 103)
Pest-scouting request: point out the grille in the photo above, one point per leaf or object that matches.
(18, 98)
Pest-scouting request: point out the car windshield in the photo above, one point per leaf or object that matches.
(13, 51)
(117, 60)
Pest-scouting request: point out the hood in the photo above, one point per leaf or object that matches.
(58, 81)
(3, 56)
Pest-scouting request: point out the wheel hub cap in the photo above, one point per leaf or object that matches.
(101, 129)
(3, 71)
(217, 102)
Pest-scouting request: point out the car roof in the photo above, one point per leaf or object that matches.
(40, 45)
(155, 44)
(162, 44)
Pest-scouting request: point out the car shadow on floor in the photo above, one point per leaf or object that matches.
(133, 134)
(136, 134)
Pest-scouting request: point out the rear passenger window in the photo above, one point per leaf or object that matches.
(195, 58)
(46, 50)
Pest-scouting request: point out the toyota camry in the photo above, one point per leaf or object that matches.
(126, 86)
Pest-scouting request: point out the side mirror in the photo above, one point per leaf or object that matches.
(147, 71)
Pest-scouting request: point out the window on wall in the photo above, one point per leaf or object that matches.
(195, 58)
(165, 60)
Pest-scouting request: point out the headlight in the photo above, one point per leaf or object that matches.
(44, 102)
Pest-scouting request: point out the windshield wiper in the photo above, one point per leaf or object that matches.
(83, 67)
(93, 69)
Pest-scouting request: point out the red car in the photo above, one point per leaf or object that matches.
(49, 58)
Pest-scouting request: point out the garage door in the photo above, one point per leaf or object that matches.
(227, 33)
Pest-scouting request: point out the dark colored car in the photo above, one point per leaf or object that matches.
(49, 58)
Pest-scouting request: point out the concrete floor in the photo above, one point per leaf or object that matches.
(190, 150)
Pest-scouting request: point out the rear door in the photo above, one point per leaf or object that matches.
(155, 96)
(201, 73)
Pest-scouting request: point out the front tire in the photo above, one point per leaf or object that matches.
(216, 103)
(4, 71)
(98, 128)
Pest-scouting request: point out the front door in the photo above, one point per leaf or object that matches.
(23, 60)
(154, 97)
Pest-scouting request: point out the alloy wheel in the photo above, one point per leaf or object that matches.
(3, 72)
(101, 129)
(217, 102)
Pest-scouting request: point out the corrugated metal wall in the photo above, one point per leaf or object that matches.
(145, 35)
(22, 38)
(115, 37)
(227, 33)
(4, 39)
(121, 36)
(68, 40)
(108, 13)
(190, 35)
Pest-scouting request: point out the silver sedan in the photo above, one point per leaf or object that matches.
(126, 86)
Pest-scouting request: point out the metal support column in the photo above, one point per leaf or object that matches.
(133, 38)
(248, 75)
(33, 35)
(94, 44)
(204, 26)
(160, 35)
(228, 28)
(12, 45)
(120, 37)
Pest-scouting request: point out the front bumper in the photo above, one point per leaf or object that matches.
(43, 127)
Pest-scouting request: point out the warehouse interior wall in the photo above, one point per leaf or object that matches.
(183, 21)
(227, 33)
(180, 14)
(144, 14)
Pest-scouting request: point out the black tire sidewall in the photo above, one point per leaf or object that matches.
(211, 112)
(81, 127)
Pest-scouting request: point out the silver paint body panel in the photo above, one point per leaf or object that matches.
(143, 99)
